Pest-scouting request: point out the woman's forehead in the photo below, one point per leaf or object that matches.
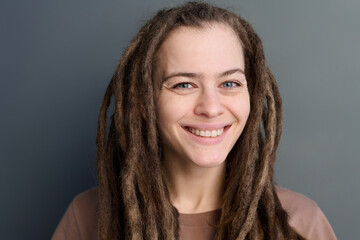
(215, 48)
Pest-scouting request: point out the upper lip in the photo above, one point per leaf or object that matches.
(206, 126)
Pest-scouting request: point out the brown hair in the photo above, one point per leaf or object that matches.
(133, 198)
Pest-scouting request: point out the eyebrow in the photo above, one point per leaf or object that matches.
(231, 71)
(199, 75)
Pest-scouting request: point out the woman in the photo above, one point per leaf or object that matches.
(192, 141)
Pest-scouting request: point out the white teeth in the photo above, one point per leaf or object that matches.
(213, 133)
(206, 133)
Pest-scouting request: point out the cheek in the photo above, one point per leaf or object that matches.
(245, 111)
(172, 112)
(169, 113)
(240, 108)
(171, 109)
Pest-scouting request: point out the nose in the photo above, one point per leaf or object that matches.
(209, 104)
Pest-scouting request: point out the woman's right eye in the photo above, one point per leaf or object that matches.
(183, 85)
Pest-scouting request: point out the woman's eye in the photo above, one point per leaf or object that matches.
(230, 84)
(183, 85)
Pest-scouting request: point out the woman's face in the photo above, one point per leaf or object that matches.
(204, 102)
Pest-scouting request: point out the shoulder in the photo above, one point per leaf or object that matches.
(86, 212)
(305, 215)
(87, 200)
(80, 218)
(295, 203)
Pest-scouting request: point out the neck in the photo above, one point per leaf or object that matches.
(194, 189)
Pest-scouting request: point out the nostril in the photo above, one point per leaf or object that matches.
(209, 107)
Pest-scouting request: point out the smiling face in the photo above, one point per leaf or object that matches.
(204, 102)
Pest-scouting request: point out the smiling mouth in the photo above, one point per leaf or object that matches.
(206, 133)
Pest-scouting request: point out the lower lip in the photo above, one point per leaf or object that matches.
(207, 140)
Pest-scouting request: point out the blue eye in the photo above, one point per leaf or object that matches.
(183, 85)
(230, 84)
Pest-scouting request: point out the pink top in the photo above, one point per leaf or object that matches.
(80, 219)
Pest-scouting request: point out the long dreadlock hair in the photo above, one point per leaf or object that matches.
(134, 201)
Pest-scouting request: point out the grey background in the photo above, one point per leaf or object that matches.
(56, 58)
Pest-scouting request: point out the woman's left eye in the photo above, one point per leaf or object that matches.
(183, 85)
(230, 84)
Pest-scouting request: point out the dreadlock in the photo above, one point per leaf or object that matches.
(134, 202)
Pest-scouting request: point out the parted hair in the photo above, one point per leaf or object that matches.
(134, 200)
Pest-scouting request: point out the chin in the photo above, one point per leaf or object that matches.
(208, 162)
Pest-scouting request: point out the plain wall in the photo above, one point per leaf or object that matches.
(57, 57)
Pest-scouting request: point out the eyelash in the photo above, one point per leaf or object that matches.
(234, 84)
(183, 83)
(178, 86)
